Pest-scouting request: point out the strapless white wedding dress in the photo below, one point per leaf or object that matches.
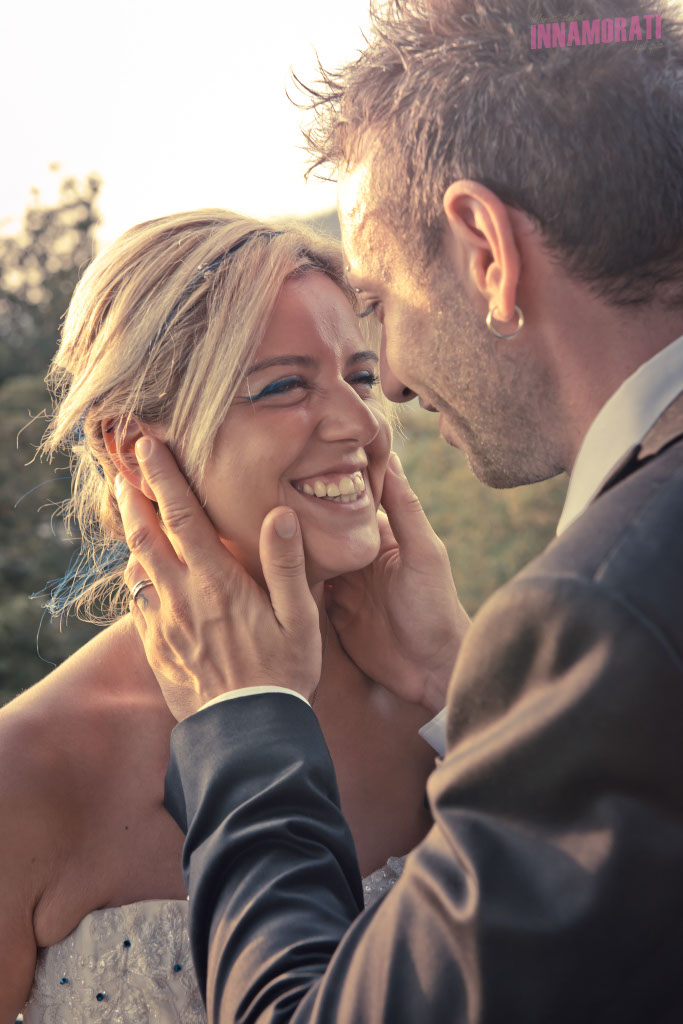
(132, 965)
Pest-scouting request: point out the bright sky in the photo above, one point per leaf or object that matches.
(176, 105)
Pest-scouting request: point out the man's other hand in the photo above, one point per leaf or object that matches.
(400, 619)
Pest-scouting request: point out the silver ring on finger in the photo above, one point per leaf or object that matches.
(140, 585)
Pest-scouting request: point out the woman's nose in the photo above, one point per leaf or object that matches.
(392, 387)
(348, 416)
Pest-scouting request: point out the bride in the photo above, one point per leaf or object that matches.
(241, 347)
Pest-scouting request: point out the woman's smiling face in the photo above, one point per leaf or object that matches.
(307, 421)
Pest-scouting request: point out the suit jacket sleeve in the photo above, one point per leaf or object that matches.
(549, 886)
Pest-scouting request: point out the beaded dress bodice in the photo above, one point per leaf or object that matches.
(132, 965)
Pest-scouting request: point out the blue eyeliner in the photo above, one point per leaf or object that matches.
(275, 387)
(281, 387)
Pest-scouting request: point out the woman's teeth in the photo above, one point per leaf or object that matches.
(344, 490)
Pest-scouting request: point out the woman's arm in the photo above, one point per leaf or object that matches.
(18, 957)
(25, 851)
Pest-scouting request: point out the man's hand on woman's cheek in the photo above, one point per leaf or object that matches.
(400, 618)
(207, 627)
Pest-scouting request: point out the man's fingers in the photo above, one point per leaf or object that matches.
(184, 518)
(386, 534)
(284, 568)
(407, 518)
(150, 547)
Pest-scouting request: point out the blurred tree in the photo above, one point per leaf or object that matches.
(39, 269)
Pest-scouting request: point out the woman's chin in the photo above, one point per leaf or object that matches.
(327, 567)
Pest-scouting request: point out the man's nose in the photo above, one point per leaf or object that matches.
(393, 388)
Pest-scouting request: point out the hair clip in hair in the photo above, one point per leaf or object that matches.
(205, 270)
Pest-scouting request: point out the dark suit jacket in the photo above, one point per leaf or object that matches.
(550, 888)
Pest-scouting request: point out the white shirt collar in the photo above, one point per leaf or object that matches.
(621, 425)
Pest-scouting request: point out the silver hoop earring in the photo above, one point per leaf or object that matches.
(520, 317)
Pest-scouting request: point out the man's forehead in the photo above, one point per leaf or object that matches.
(353, 193)
(360, 224)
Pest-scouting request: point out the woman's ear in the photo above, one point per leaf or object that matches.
(121, 448)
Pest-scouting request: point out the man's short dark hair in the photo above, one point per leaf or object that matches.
(586, 139)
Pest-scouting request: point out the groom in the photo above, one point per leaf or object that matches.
(516, 217)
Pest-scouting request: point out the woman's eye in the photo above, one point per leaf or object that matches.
(372, 308)
(289, 384)
(368, 378)
(280, 387)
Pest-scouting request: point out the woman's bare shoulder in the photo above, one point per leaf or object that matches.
(107, 671)
(49, 731)
(58, 742)
(36, 725)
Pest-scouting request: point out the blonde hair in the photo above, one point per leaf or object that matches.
(151, 334)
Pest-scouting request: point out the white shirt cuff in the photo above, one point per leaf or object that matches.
(247, 690)
(434, 732)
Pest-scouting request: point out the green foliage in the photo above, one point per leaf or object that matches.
(39, 269)
(34, 548)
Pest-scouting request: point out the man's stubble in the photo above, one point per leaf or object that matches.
(497, 402)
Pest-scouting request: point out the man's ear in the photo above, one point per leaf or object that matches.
(483, 239)
(121, 447)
